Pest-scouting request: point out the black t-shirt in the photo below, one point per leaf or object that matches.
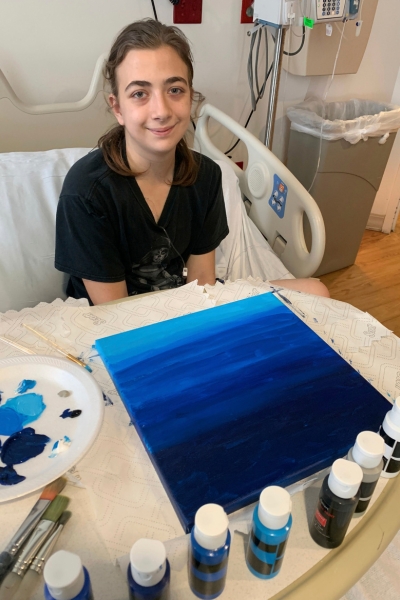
(106, 232)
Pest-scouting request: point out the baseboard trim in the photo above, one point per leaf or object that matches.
(375, 222)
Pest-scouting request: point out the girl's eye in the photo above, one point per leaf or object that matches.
(138, 95)
(176, 91)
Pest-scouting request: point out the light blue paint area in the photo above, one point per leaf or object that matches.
(88, 368)
(18, 412)
(25, 385)
(60, 446)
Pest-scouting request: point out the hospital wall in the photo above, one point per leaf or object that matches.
(48, 49)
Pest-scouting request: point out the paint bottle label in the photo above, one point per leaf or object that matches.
(331, 521)
(366, 491)
(265, 560)
(208, 569)
(391, 458)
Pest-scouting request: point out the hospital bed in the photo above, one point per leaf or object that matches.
(38, 144)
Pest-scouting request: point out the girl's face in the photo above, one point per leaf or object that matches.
(154, 102)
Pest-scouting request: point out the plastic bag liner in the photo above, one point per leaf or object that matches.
(353, 120)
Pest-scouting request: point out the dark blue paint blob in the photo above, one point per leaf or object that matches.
(25, 385)
(72, 414)
(107, 400)
(22, 446)
(8, 476)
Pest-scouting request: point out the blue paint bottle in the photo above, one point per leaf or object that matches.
(272, 521)
(66, 578)
(209, 551)
(148, 571)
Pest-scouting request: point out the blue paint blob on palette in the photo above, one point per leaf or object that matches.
(235, 398)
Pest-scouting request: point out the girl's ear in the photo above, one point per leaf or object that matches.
(114, 105)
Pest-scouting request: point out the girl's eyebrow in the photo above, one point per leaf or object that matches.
(140, 83)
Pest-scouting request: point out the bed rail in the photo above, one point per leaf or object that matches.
(278, 200)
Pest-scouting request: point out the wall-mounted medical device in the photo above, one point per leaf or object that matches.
(292, 12)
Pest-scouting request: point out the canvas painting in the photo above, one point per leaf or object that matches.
(235, 398)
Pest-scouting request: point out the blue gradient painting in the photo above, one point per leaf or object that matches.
(235, 398)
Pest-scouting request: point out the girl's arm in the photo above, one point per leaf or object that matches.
(105, 292)
(202, 268)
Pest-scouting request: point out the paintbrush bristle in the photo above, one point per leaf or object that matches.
(54, 511)
(64, 517)
(53, 489)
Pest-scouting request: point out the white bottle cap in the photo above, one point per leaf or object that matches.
(211, 526)
(275, 507)
(368, 449)
(345, 478)
(148, 562)
(64, 576)
(394, 414)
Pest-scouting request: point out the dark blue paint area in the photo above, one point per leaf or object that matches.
(71, 414)
(17, 449)
(232, 399)
(107, 400)
(18, 412)
(25, 385)
(8, 476)
(23, 446)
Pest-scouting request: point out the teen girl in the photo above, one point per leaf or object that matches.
(143, 212)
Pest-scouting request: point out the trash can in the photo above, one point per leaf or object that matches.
(339, 151)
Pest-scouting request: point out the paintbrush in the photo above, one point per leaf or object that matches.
(74, 359)
(37, 565)
(49, 493)
(46, 526)
(15, 345)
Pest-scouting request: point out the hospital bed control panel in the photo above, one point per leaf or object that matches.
(278, 197)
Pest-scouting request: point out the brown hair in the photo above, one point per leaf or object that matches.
(141, 35)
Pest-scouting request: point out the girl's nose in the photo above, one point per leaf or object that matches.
(160, 106)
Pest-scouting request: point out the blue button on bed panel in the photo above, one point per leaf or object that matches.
(278, 197)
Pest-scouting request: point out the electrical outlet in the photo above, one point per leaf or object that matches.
(188, 11)
(244, 17)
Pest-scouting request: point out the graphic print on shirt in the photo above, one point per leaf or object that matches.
(151, 272)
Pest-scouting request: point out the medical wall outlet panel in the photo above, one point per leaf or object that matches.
(277, 12)
(188, 11)
(319, 52)
(322, 11)
(246, 15)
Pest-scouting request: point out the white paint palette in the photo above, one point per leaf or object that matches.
(52, 375)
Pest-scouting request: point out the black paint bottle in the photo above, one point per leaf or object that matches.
(338, 498)
(390, 432)
(367, 452)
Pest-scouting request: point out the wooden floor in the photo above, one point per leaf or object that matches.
(372, 284)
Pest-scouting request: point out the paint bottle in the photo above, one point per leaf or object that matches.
(338, 498)
(66, 578)
(209, 551)
(270, 531)
(390, 432)
(148, 571)
(367, 452)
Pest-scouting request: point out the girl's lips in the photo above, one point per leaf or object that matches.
(162, 131)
